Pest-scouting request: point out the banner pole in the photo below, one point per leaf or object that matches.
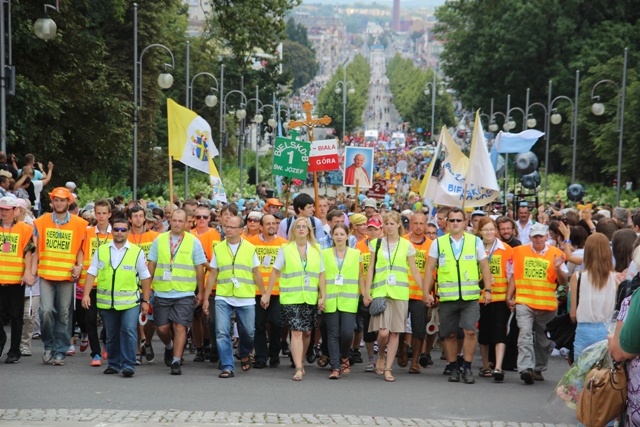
(170, 185)
(357, 193)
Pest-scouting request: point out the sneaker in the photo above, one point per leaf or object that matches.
(110, 371)
(527, 376)
(356, 356)
(467, 376)
(454, 377)
(47, 357)
(537, 376)
(259, 365)
(447, 370)
(84, 343)
(96, 361)
(175, 368)
(168, 357)
(58, 361)
(138, 360)
(274, 361)
(199, 356)
(148, 353)
(128, 372)
(72, 350)
(36, 336)
(25, 352)
(425, 360)
(104, 353)
(371, 367)
(12, 359)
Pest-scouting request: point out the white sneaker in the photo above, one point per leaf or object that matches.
(72, 350)
(47, 356)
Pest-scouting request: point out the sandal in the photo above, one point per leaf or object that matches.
(498, 376)
(298, 375)
(245, 365)
(323, 361)
(485, 372)
(380, 370)
(335, 374)
(226, 374)
(345, 366)
(414, 370)
(388, 378)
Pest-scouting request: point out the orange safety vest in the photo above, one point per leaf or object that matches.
(422, 253)
(535, 277)
(14, 239)
(58, 246)
(209, 239)
(267, 253)
(92, 242)
(498, 265)
(365, 254)
(143, 240)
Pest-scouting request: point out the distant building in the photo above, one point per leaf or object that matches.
(395, 16)
(198, 12)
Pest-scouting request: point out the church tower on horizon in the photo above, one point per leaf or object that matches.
(395, 16)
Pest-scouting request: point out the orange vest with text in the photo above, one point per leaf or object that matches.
(422, 253)
(58, 246)
(365, 254)
(535, 277)
(498, 265)
(267, 252)
(143, 240)
(92, 242)
(14, 239)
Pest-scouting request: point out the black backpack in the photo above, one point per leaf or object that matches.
(313, 224)
(625, 289)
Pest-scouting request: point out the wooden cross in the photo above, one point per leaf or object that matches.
(310, 122)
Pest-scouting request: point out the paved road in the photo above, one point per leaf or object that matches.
(379, 97)
(264, 396)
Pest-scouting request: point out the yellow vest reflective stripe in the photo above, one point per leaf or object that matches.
(242, 270)
(12, 262)
(498, 267)
(117, 288)
(58, 246)
(267, 253)
(380, 286)
(292, 287)
(91, 243)
(535, 277)
(458, 279)
(183, 272)
(345, 297)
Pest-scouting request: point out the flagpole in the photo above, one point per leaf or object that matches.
(357, 194)
(170, 185)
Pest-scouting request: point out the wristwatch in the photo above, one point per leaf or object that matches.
(488, 290)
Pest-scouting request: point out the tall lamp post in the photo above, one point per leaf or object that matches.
(598, 109)
(257, 119)
(532, 123)
(210, 101)
(240, 114)
(165, 80)
(344, 86)
(430, 88)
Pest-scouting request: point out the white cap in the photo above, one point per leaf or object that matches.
(70, 185)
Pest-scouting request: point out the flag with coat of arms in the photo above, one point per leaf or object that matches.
(191, 142)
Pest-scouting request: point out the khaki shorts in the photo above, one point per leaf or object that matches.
(175, 310)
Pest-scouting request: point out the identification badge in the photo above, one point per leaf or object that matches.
(127, 267)
(391, 280)
(6, 247)
(307, 282)
(469, 257)
(100, 265)
(339, 280)
(266, 262)
(235, 282)
(442, 261)
(166, 276)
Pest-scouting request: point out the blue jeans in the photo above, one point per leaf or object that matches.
(122, 337)
(587, 334)
(56, 303)
(246, 318)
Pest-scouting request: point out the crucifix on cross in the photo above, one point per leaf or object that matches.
(310, 122)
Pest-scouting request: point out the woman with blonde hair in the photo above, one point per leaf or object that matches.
(388, 278)
(593, 293)
(300, 269)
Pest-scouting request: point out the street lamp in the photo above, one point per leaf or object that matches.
(165, 80)
(240, 114)
(532, 123)
(344, 86)
(257, 119)
(598, 109)
(430, 88)
(45, 27)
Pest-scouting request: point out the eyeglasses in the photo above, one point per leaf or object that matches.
(230, 226)
(119, 229)
(253, 220)
(202, 216)
(456, 220)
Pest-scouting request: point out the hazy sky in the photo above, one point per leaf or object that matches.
(409, 4)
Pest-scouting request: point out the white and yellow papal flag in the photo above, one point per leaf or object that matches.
(191, 142)
(482, 185)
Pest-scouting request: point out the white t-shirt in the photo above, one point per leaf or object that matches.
(235, 301)
(456, 245)
(37, 189)
(596, 305)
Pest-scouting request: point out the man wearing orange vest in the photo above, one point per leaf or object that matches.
(417, 309)
(58, 238)
(537, 269)
(267, 244)
(15, 254)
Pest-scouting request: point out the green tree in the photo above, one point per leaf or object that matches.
(300, 62)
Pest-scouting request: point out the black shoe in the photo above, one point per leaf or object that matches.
(355, 356)
(199, 356)
(285, 348)
(537, 376)
(274, 361)
(447, 370)
(467, 376)
(460, 363)
(110, 371)
(311, 356)
(455, 376)
(175, 368)
(12, 359)
(168, 357)
(127, 372)
(148, 353)
(213, 356)
(423, 361)
(527, 376)
(259, 365)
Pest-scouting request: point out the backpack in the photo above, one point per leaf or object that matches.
(313, 224)
(625, 289)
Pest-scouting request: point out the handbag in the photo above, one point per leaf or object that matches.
(604, 395)
(378, 306)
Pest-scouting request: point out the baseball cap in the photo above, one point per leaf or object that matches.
(148, 215)
(538, 229)
(477, 212)
(70, 185)
(254, 215)
(371, 203)
(358, 219)
(8, 202)
(279, 215)
(273, 202)
(407, 213)
(5, 173)
(405, 220)
(62, 193)
(374, 222)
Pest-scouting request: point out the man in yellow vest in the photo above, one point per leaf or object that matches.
(234, 268)
(537, 270)
(58, 237)
(15, 254)
(176, 263)
(458, 256)
(115, 269)
(267, 244)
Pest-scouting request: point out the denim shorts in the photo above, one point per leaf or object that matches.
(587, 334)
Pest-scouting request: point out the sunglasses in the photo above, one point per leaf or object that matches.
(456, 220)
(119, 229)
(202, 216)
(253, 220)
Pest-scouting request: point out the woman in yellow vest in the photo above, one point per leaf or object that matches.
(344, 279)
(300, 270)
(495, 315)
(388, 278)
